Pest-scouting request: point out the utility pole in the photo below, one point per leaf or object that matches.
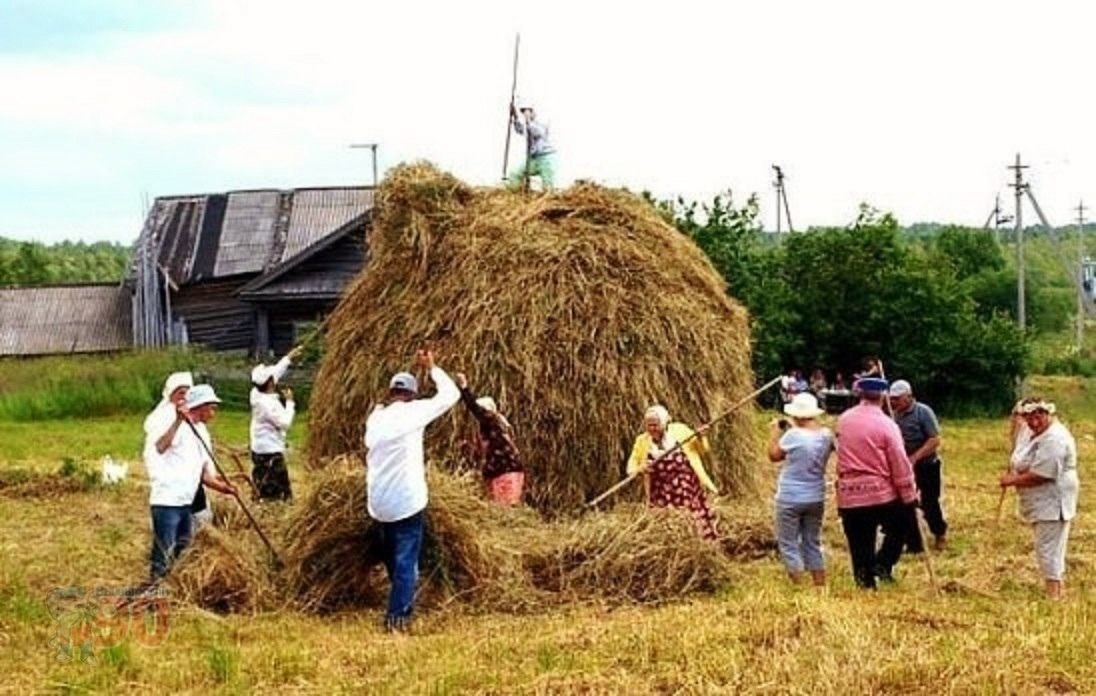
(781, 200)
(373, 148)
(997, 217)
(1080, 275)
(1019, 185)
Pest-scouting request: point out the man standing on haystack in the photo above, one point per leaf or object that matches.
(395, 478)
(270, 420)
(921, 435)
(875, 485)
(541, 156)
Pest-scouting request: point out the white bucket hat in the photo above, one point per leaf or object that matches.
(803, 406)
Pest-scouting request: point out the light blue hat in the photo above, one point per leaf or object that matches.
(201, 394)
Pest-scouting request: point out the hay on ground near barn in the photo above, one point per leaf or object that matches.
(576, 309)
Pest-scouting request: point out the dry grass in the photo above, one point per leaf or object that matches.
(756, 635)
(475, 554)
(576, 310)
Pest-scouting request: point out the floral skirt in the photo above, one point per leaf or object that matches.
(506, 489)
(675, 484)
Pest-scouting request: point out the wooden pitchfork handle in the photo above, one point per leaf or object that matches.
(738, 404)
(239, 500)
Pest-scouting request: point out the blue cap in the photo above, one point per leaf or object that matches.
(404, 381)
(871, 385)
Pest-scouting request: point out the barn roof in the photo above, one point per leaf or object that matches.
(212, 236)
(83, 318)
(328, 283)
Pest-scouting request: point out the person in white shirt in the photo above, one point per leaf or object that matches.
(395, 478)
(1043, 469)
(270, 420)
(159, 421)
(182, 464)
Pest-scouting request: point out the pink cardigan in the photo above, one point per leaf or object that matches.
(872, 466)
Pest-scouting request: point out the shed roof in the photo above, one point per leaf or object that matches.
(84, 318)
(218, 235)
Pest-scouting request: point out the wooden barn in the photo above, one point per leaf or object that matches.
(245, 270)
(55, 319)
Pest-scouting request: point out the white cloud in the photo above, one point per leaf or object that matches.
(914, 108)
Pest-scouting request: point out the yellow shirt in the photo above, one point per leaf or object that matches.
(693, 450)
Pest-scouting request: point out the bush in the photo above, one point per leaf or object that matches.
(833, 296)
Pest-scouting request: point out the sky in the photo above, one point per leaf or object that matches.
(914, 108)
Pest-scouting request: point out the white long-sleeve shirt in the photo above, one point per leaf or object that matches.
(174, 476)
(395, 473)
(270, 420)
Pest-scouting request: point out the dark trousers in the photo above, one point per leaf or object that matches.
(400, 543)
(927, 475)
(170, 535)
(270, 476)
(861, 525)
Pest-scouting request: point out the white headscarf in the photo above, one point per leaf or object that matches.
(161, 417)
(176, 380)
(488, 404)
(657, 449)
(659, 412)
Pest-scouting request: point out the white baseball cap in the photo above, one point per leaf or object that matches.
(404, 381)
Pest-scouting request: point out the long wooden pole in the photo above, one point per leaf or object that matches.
(918, 514)
(738, 404)
(243, 506)
(510, 113)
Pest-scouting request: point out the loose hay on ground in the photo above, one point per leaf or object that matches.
(225, 572)
(631, 554)
(475, 553)
(576, 309)
(332, 548)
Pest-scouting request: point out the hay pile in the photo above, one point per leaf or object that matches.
(227, 572)
(332, 552)
(575, 309)
(485, 557)
(631, 554)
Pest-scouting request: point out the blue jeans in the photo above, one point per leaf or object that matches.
(170, 535)
(799, 536)
(400, 545)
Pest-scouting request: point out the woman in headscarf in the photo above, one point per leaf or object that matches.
(495, 450)
(674, 476)
(1044, 471)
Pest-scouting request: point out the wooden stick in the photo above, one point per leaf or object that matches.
(918, 513)
(243, 506)
(234, 455)
(510, 115)
(738, 404)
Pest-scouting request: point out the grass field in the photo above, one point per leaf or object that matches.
(991, 632)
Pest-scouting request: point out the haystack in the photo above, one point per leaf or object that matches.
(332, 553)
(575, 309)
(485, 557)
